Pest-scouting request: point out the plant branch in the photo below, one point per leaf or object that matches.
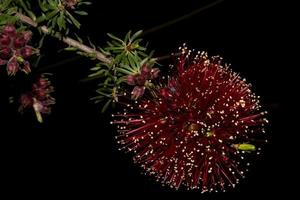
(74, 43)
(166, 57)
(184, 17)
(67, 40)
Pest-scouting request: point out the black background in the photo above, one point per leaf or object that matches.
(74, 153)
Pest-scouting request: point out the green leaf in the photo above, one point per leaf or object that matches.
(74, 21)
(95, 68)
(113, 48)
(107, 85)
(51, 14)
(142, 54)
(53, 3)
(141, 48)
(41, 18)
(91, 44)
(43, 6)
(61, 22)
(31, 15)
(104, 108)
(116, 43)
(121, 80)
(108, 79)
(11, 11)
(37, 61)
(84, 3)
(5, 4)
(7, 19)
(99, 73)
(115, 38)
(53, 22)
(127, 37)
(25, 7)
(119, 58)
(80, 12)
(41, 42)
(97, 97)
(71, 49)
(144, 61)
(78, 38)
(124, 71)
(129, 68)
(104, 94)
(132, 62)
(136, 35)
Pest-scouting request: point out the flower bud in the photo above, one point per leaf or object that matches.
(26, 51)
(137, 92)
(154, 73)
(2, 62)
(26, 100)
(27, 35)
(19, 42)
(10, 30)
(130, 79)
(5, 53)
(145, 71)
(4, 40)
(26, 67)
(140, 80)
(12, 67)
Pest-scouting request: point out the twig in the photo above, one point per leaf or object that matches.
(166, 57)
(174, 21)
(67, 40)
(79, 45)
(153, 59)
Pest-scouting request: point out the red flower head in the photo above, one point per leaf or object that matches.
(196, 130)
(14, 49)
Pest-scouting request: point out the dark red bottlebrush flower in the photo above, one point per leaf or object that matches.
(142, 80)
(198, 129)
(14, 50)
(39, 98)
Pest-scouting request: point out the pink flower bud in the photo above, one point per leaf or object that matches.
(154, 73)
(26, 51)
(5, 53)
(19, 42)
(137, 92)
(41, 94)
(4, 40)
(131, 79)
(10, 30)
(25, 100)
(145, 71)
(12, 67)
(43, 82)
(140, 80)
(2, 62)
(70, 3)
(27, 35)
(26, 67)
